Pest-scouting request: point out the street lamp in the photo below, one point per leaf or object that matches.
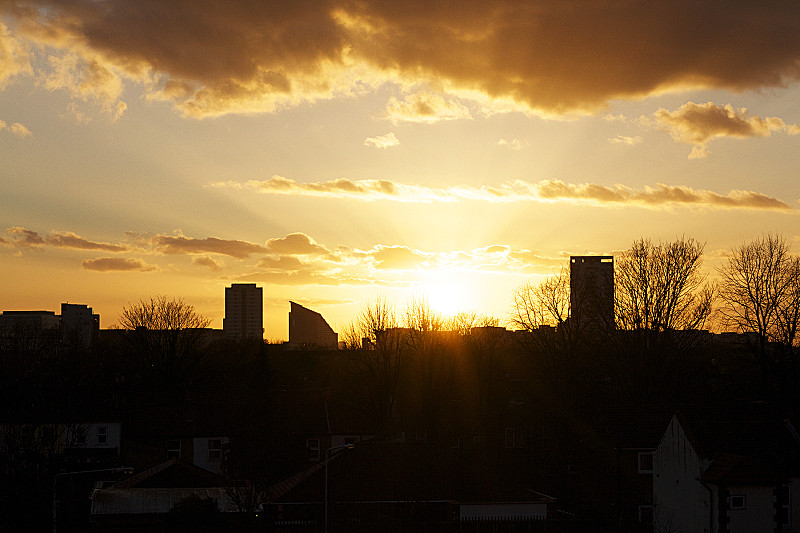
(328, 451)
(126, 469)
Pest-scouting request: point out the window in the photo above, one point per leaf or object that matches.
(80, 435)
(645, 462)
(102, 435)
(784, 499)
(312, 445)
(646, 514)
(737, 502)
(515, 438)
(350, 440)
(214, 449)
(173, 449)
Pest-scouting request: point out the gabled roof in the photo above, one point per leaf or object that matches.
(173, 473)
(747, 447)
(158, 489)
(729, 469)
(395, 472)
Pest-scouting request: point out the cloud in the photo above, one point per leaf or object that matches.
(109, 264)
(296, 244)
(67, 239)
(516, 191)
(425, 107)
(178, 244)
(24, 237)
(60, 239)
(16, 128)
(397, 257)
(698, 124)
(514, 144)
(305, 277)
(283, 263)
(211, 58)
(622, 139)
(85, 77)
(14, 57)
(382, 141)
(209, 262)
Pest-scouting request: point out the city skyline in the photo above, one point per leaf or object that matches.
(331, 152)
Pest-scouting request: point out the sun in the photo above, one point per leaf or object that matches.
(447, 292)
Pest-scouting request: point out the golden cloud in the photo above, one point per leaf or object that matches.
(382, 141)
(210, 58)
(397, 258)
(296, 244)
(14, 58)
(660, 196)
(697, 124)
(25, 237)
(178, 244)
(67, 239)
(209, 262)
(425, 107)
(16, 128)
(109, 264)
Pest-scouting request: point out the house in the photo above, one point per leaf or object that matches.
(733, 472)
(634, 432)
(144, 498)
(390, 484)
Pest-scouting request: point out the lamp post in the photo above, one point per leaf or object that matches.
(126, 469)
(327, 452)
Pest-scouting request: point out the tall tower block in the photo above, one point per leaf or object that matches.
(591, 290)
(244, 311)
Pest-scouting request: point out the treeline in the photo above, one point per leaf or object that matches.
(533, 401)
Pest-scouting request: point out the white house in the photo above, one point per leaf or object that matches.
(737, 476)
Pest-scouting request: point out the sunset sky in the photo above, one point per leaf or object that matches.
(331, 151)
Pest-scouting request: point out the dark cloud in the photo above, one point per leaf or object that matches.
(109, 264)
(211, 57)
(179, 244)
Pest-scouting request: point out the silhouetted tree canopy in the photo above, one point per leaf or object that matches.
(164, 335)
(660, 286)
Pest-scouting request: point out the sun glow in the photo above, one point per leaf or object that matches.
(447, 292)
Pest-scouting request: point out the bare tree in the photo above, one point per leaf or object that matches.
(377, 348)
(543, 311)
(760, 291)
(661, 287)
(165, 334)
(662, 300)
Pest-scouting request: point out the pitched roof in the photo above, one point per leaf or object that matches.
(730, 469)
(173, 473)
(392, 472)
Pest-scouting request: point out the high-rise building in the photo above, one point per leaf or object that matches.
(308, 329)
(591, 290)
(79, 324)
(244, 311)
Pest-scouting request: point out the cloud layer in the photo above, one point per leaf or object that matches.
(210, 58)
(516, 191)
(295, 259)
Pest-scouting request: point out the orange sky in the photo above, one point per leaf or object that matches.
(332, 151)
